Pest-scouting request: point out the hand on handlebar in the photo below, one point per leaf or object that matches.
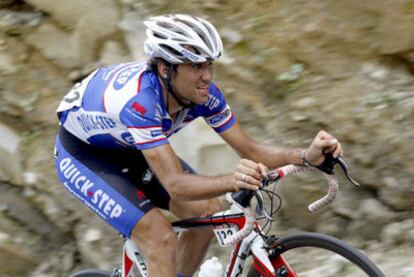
(249, 175)
(324, 143)
(244, 196)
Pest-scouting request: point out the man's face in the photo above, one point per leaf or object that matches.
(192, 81)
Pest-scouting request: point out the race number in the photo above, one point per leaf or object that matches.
(223, 232)
(74, 94)
(74, 97)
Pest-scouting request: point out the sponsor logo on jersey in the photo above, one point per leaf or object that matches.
(212, 102)
(147, 176)
(138, 108)
(128, 138)
(125, 75)
(90, 122)
(85, 188)
(220, 117)
(140, 195)
(156, 133)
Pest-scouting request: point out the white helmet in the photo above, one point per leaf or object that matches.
(175, 37)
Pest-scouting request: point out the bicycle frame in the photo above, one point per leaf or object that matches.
(222, 222)
(237, 227)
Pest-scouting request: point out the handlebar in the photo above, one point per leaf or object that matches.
(243, 197)
(331, 180)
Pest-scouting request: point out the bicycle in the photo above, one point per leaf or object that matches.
(238, 227)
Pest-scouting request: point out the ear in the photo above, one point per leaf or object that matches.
(162, 70)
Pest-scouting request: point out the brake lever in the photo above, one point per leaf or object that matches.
(260, 209)
(328, 167)
(345, 169)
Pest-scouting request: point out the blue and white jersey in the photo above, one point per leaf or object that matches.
(123, 106)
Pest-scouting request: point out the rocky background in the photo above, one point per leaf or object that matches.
(290, 68)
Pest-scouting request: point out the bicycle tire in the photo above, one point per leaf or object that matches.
(91, 273)
(315, 240)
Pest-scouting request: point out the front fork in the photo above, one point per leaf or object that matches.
(267, 261)
(282, 268)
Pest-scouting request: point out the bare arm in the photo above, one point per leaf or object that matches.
(248, 173)
(274, 156)
(271, 156)
(181, 186)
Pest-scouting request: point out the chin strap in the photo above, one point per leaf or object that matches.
(170, 90)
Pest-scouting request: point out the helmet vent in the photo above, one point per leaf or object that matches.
(180, 38)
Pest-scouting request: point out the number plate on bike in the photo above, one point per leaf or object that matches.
(223, 232)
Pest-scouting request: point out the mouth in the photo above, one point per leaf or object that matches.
(203, 90)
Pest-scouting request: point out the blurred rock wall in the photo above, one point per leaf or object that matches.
(290, 68)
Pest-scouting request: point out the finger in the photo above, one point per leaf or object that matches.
(321, 134)
(249, 179)
(263, 170)
(324, 135)
(244, 185)
(328, 143)
(250, 164)
(330, 149)
(338, 151)
(323, 141)
(254, 172)
(250, 172)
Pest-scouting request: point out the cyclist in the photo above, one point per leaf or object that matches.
(112, 149)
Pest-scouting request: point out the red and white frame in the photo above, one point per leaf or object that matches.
(250, 245)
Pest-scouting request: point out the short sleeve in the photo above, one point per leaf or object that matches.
(142, 116)
(216, 112)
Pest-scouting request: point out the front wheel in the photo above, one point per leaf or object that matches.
(312, 254)
(91, 273)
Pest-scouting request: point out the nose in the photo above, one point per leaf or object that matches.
(207, 73)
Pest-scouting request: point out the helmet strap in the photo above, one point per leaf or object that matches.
(170, 90)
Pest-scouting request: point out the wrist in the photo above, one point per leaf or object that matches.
(304, 160)
(295, 157)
